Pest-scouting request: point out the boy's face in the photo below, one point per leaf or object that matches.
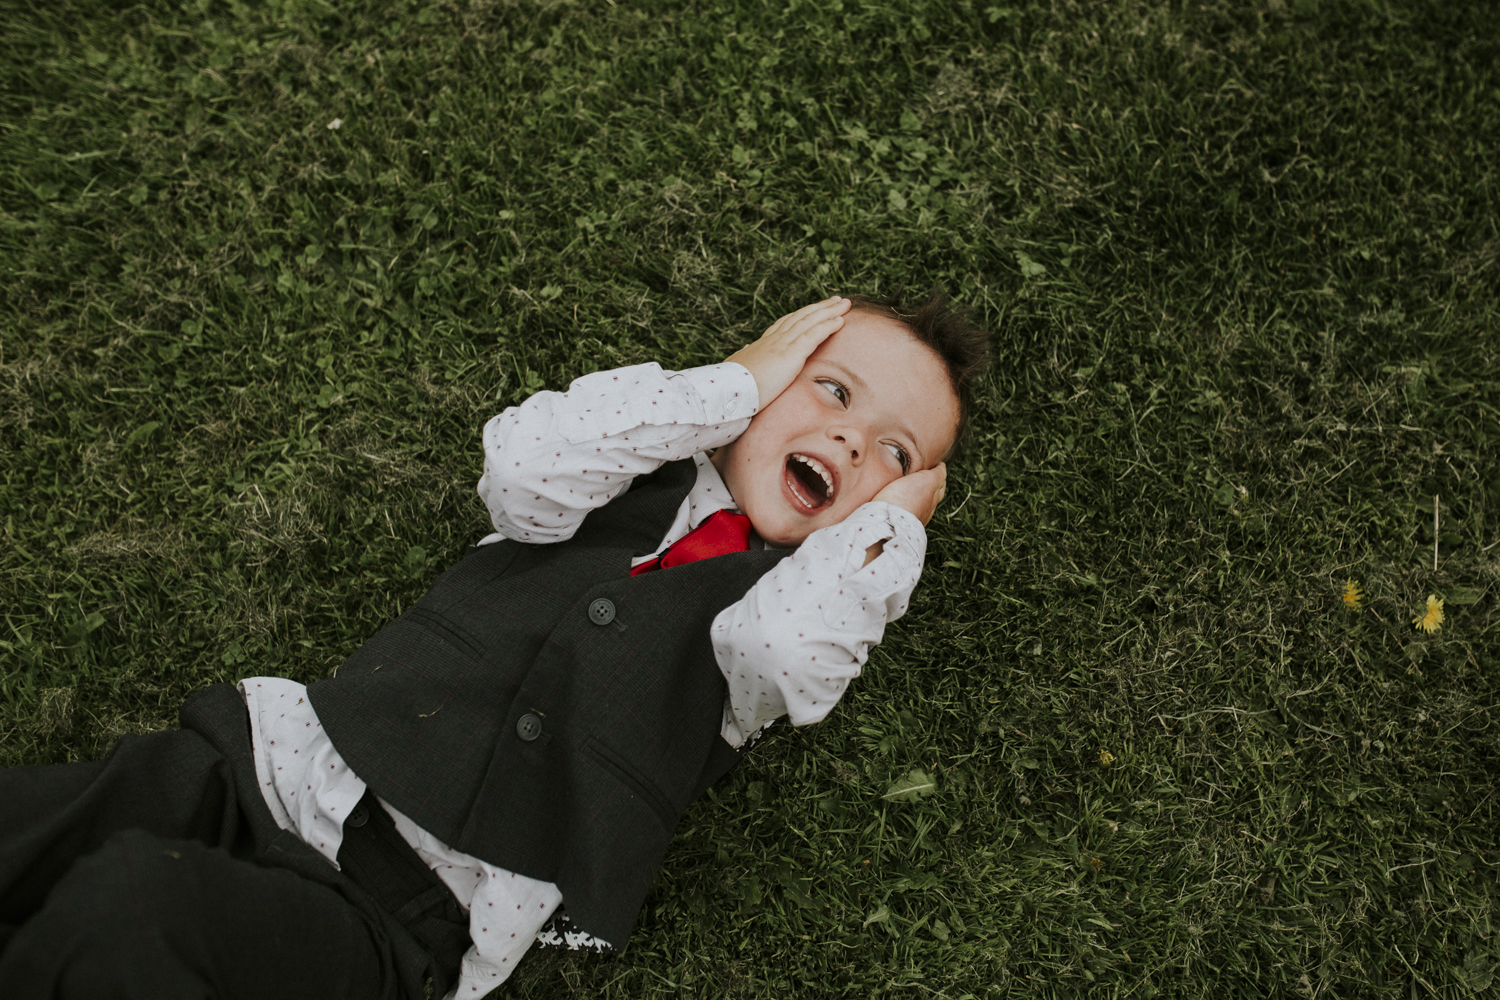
(870, 395)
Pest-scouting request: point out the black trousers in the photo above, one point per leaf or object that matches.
(159, 873)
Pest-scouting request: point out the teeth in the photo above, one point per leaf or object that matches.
(816, 466)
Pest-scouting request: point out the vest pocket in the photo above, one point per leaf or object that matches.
(457, 637)
(643, 789)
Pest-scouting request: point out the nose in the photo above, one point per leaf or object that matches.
(852, 438)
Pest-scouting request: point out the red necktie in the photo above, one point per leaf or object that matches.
(725, 531)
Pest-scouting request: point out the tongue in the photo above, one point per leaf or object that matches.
(802, 483)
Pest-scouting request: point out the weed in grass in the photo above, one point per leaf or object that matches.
(1432, 619)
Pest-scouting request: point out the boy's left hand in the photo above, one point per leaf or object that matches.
(919, 493)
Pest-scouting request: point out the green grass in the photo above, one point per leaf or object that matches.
(1243, 263)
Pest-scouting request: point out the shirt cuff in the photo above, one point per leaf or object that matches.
(892, 523)
(727, 389)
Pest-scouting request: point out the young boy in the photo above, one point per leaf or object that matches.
(680, 558)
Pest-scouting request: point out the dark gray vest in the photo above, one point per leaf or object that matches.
(427, 712)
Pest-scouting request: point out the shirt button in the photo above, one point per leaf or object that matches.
(528, 727)
(359, 817)
(602, 611)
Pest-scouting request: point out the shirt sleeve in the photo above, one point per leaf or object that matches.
(794, 642)
(558, 455)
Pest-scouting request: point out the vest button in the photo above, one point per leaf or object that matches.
(602, 611)
(528, 727)
(359, 817)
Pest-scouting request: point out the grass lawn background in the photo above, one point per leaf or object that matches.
(1243, 263)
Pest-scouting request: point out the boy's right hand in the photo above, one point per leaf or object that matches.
(778, 356)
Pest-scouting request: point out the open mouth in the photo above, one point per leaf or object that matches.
(809, 481)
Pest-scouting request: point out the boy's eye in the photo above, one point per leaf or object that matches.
(901, 456)
(837, 388)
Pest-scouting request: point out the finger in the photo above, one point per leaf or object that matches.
(835, 305)
(793, 317)
(818, 326)
(940, 472)
(817, 313)
(810, 335)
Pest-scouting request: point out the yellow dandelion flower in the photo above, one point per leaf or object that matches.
(1352, 595)
(1432, 620)
(1106, 758)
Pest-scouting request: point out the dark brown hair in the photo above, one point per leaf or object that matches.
(952, 334)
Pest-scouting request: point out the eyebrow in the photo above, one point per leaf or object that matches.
(861, 385)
